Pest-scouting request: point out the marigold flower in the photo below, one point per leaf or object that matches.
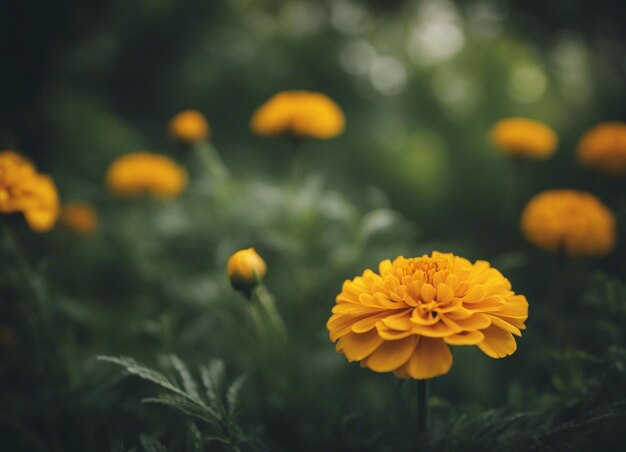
(79, 217)
(604, 148)
(146, 173)
(299, 113)
(569, 221)
(189, 126)
(23, 189)
(245, 269)
(522, 137)
(403, 318)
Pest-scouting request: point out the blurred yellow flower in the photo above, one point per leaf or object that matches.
(299, 113)
(23, 189)
(146, 173)
(604, 148)
(189, 126)
(245, 269)
(79, 217)
(403, 318)
(573, 222)
(522, 137)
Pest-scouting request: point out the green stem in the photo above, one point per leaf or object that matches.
(422, 414)
(212, 161)
(296, 164)
(268, 307)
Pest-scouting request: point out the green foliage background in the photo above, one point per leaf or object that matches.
(421, 83)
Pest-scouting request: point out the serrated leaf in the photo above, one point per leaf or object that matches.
(195, 443)
(151, 444)
(187, 406)
(188, 382)
(212, 376)
(133, 367)
(232, 394)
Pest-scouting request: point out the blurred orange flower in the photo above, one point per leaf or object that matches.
(189, 126)
(23, 189)
(522, 137)
(143, 172)
(79, 217)
(403, 318)
(299, 113)
(245, 269)
(573, 222)
(604, 148)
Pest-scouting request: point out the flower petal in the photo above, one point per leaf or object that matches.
(498, 343)
(391, 355)
(430, 358)
(465, 338)
(359, 346)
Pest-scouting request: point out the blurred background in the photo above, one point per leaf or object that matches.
(421, 83)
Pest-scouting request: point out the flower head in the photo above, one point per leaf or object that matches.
(569, 221)
(189, 126)
(23, 189)
(79, 217)
(604, 148)
(146, 173)
(299, 113)
(522, 137)
(245, 269)
(403, 318)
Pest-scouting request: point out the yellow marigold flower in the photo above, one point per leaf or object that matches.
(23, 189)
(79, 217)
(604, 148)
(146, 173)
(403, 318)
(245, 269)
(569, 221)
(189, 126)
(299, 113)
(522, 137)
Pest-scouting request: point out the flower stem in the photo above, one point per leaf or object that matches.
(275, 323)
(212, 161)
(422, 414)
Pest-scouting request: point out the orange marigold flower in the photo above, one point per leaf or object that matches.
(146, 173)
(245, 269)
(23, 189)
(604, 148)
(522, 137)
(403, 318)
(569, 221)
(189, 126)
(79, 217)
(299, 113)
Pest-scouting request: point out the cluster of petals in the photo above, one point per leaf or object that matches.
(146, 173)
(299, 113)
(404, 318)
(521, 137)
(23, 189)
(572, 222)
(603, 148)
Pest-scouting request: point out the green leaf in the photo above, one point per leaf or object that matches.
(188, 382)
(212, 376)
(195, 443)
(232, 395)
(151, 444)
